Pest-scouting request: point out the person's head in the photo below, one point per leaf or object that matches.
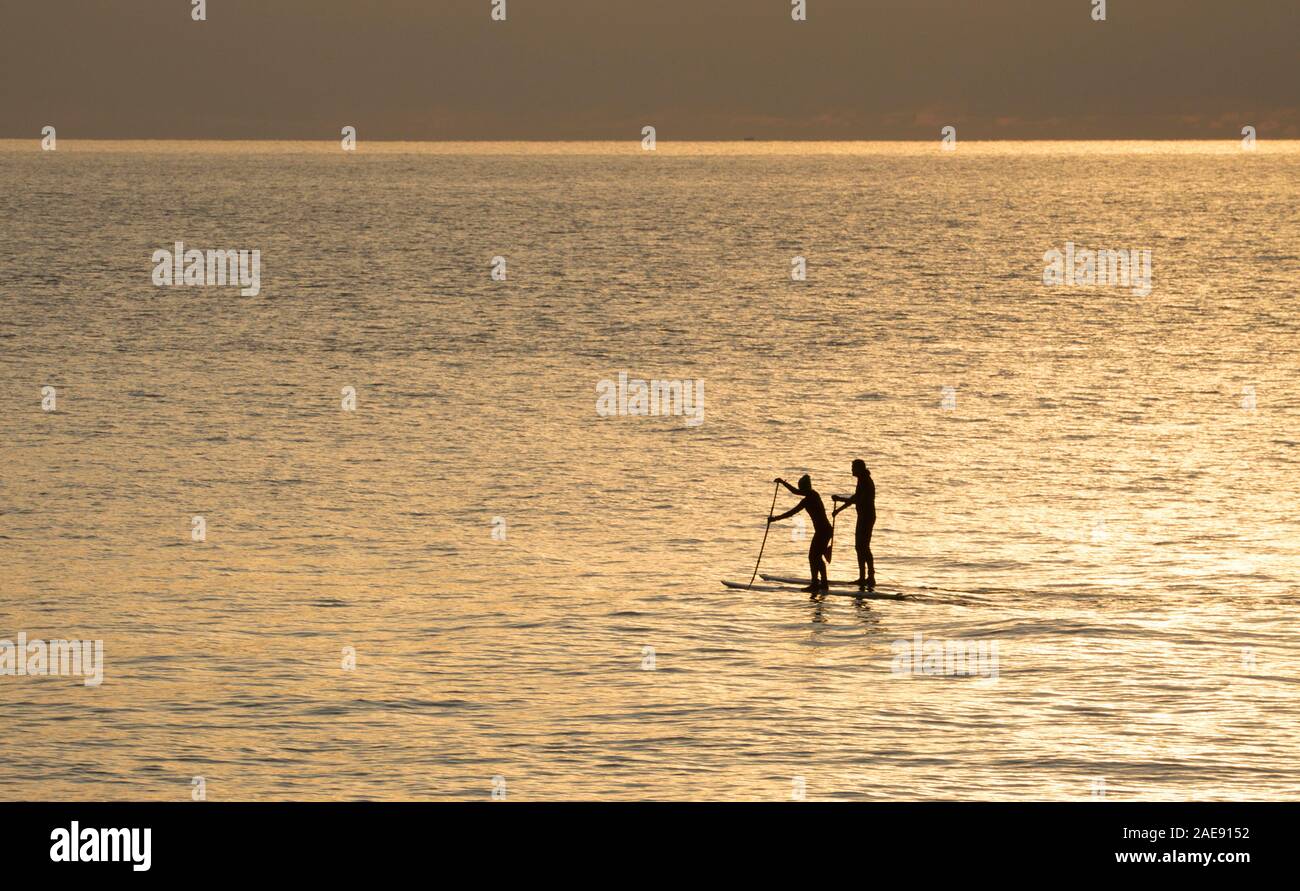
(860, 468)
(805, 484)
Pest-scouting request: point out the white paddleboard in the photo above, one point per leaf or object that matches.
(792, 580)
(856, 594)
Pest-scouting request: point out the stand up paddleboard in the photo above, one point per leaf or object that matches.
(856, 593)
(792, 580)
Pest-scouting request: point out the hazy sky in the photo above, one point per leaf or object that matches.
(696, 69)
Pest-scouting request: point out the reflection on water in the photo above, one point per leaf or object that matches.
(1074, 473)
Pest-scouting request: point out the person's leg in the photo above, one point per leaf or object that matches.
(862, 544)
(817, 562)
(815, 548)
(871, 563)
(822, 567)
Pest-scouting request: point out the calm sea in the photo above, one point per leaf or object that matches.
(1092, 490)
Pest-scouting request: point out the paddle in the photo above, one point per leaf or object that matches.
(830, 545)
(775, 492)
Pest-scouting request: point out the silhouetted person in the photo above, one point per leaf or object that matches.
(864, 497)
(812, 503)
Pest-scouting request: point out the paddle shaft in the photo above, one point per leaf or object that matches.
(775, 492)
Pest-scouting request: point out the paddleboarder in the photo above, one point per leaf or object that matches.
(864, 498)
(812, 503)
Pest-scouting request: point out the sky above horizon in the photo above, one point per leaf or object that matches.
(603, 69)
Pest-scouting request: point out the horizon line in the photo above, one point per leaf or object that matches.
(636, 140)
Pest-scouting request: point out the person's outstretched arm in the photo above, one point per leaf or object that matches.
(845, 501)
(790, 513)
(792, 489)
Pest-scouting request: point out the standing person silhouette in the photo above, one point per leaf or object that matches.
(864, 497)
(812, 503)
